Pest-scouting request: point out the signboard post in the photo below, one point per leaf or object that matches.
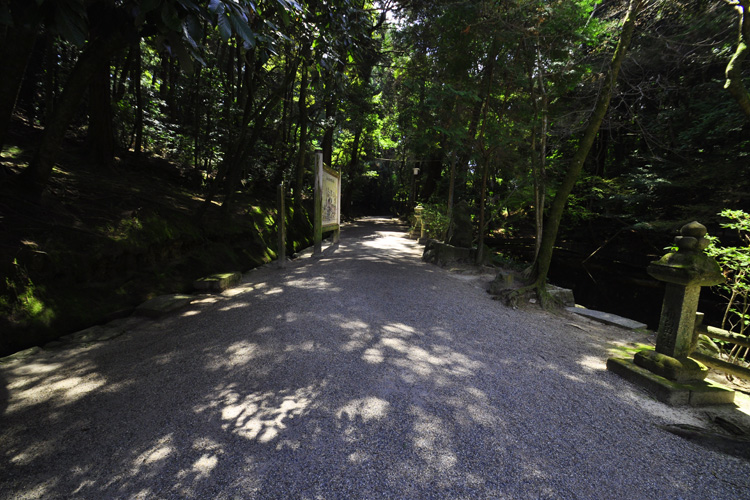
(281, 226)
(327, 203)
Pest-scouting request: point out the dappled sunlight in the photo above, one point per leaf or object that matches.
(364, 409)
(39, 491)
(592, 363)
(259, 416)
(432, 441)
(207, 456)
(233, 292)
(234, 305)
(205, 300)
(399, 329)
(48, 387)
(307, 346)
(422, 361)
(30, 454)
(373, 356)
(237, 354)
(164, 359)
(205, 465)
(318, 283)
(392, 245)
(441, 333)
(161, 450)
(244, 287)
(73, 388)
(660, 411)
(289, 317)
(353, 325)
(32, 369)
(294, 390)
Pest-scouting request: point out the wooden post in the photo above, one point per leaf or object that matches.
(318, 200)
(337, 231)
(281, 226)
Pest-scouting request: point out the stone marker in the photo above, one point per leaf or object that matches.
(562, 296)
(217, 282)
(503, 281)
(444, 254)
(668, 371)
(460, 229)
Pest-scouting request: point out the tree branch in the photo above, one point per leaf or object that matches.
(733, 71)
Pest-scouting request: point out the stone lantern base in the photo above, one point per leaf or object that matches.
(668, 372)
(671, 392)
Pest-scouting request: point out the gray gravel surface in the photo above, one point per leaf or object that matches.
(363, 374)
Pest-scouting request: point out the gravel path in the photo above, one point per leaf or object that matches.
(365, 374)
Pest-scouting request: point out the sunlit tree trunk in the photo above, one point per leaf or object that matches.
(733, 71)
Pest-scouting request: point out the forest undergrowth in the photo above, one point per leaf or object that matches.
(99, 241)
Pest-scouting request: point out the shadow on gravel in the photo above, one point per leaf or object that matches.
(363, 375)
(3, 394)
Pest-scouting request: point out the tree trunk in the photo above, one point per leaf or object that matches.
(327, 143)
(346, 203)
(544, 258)
(733, 70)
(118, 86)
(234, 171)
(452, 185)
(482, 210)
(485, 153)
(34, 178)
(15, 51)
(538, 163)
(100, 132)
(299, 169)
(138, 126)
(476, 116)
(50, 77)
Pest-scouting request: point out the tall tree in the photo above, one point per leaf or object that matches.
(544, 258)
(734, 83)
(16, 43)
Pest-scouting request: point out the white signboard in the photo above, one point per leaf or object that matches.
(331, 193)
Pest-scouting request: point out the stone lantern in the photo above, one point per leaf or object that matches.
(668, 371)
(419, 219)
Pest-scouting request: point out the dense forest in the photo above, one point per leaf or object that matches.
(134, 132)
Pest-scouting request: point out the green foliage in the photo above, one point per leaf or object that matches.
(436, 221)
(735, 264)
(22, 301)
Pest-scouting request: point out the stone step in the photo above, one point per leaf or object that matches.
(162, 305)
(217, 282)
(607, 318)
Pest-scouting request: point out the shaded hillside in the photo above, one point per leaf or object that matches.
(98, 242)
